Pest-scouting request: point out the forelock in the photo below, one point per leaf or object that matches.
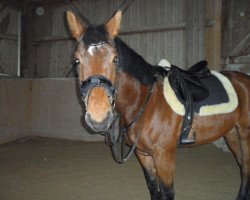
(96, 35)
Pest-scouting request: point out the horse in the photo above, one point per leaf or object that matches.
(113, 79)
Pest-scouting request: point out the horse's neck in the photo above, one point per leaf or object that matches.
(131, 95)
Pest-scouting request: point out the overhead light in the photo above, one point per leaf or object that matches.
(40, 11)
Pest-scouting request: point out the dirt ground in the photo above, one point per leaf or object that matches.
(52, 169)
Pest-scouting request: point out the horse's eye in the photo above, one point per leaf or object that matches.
(77, 62)
(115, 60)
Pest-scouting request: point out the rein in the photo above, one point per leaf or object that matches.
(113, 141)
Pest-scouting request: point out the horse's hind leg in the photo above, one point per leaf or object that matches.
(244, 134)
(233, 142)
(241, 83)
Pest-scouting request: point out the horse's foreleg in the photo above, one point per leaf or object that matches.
(244, 193)
(152, 180)
(165, 167)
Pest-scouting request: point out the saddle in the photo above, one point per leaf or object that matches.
(189, 90)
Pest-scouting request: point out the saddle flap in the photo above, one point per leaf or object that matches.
(199, 92)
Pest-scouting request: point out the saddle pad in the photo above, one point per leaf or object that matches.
(222, 97)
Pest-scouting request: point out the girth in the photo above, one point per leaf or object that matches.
(189, 89)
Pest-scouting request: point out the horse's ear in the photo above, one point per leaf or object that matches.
(76, 25)
(113, 25)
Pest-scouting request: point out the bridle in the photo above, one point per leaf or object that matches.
(97, 81)
(117, 134)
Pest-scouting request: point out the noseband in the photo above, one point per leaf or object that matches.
(97, 81)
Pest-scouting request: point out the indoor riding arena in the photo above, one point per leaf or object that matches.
(52, 147)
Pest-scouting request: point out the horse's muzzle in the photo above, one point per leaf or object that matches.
(97, 81)
(102, 126)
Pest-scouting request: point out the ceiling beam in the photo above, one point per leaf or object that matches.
(44, 2)
(15, 4)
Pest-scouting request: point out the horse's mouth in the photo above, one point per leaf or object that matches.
(99, 126)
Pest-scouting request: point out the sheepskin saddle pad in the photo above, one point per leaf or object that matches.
(222, 96)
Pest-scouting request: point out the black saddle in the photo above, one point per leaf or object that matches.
(189, 89)
(188, 81)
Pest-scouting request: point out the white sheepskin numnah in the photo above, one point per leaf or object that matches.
(228, 107)
(164, 63)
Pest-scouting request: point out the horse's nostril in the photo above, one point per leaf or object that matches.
(89, 119)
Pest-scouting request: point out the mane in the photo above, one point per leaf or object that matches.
(132, 63)
(128, 60)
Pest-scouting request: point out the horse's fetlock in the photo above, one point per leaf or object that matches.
(167, 192)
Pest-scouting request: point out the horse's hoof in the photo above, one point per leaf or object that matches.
(243, 198)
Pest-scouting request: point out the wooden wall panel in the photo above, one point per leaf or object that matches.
(61, 58)
(235, 24)
(8, 56)
(10, 28)
(54, 59)
(213, 34)
(155, 46)
(43, 60)
(8, 40)
(195, 31)
(236, 35)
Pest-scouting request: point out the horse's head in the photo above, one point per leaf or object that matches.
(96, 58)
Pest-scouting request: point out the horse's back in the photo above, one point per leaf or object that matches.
(237, 76)
(241, 84)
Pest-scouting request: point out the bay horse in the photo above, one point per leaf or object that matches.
(114, 78)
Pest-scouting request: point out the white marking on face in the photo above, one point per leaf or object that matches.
(93, 48)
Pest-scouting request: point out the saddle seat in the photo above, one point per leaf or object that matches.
(183, 81)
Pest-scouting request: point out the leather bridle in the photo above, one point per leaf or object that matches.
(97, 81)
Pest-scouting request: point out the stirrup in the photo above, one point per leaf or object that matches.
(184, 140)
(187, 141)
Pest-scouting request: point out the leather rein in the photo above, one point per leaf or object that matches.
(113, 140)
